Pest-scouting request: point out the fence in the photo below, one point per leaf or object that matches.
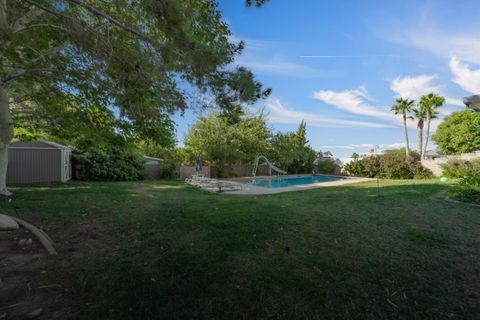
(237, 170)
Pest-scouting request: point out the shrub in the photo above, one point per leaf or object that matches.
(457, 168)
(459, 132)
(326, 166)
(471, 181)
(467, 191)
(112, 163)
(367, 167)
(391, 165)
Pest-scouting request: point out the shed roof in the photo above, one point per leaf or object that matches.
(37, 144)
(152, 158)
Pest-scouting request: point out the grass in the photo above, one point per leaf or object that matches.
(464, 193)
(333, 253)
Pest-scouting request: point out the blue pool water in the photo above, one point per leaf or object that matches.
(291, 181)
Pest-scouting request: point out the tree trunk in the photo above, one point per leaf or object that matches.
(407, 145)
(420, 137)
(427, 136)
(6, 135)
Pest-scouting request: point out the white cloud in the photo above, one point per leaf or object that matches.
(279, 113)
(382, 146)
(414, 87)
(464, 76)
(353, 101)
(430, 36)
(454, 102)
(442, 44)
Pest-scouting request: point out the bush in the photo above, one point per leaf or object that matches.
(457, 168)
(112, 163)
(391, 165)
(459, 132)
(367, 167)
(326, 166)
(471, 181)
(467, 191)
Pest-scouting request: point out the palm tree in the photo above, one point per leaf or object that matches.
(420, 115)
(429, 103)
(403, 107)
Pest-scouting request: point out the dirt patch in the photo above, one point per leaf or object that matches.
(31, 279)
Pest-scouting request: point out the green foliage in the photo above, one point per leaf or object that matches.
(170, 156)
(291, 152)
(459, 133)
(403, 106)
(391, 165)
(220, 142)
(401, 153)
(108, 162)
(128, 59)
(429, 103)
(471, 181)
(468, 190)
(396, 166)
(326, 166)
(457, 168)
(367, 167)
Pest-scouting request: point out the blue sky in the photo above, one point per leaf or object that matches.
(339, 65)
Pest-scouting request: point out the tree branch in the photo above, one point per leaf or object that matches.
(104, 15)
(27, 18)
(49, 10)
(95, 11)
(41, 25)
(12, 76)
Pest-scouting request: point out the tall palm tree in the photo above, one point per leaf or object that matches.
(429, 103)
(404, 106)
(419, 114)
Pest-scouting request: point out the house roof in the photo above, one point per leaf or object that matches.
(473, 102)
(434, 152)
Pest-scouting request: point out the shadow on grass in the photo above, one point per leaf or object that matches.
(350, 252)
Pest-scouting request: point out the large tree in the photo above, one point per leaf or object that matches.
(404, 107)
(219, 142)
(459, 132)
(140, 59)
(292, 152)
(429, 103)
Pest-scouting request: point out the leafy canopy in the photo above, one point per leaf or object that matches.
(141, 60)
(221, 143)
(292, 152)
(459, 132)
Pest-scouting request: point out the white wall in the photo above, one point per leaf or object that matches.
(434, 165)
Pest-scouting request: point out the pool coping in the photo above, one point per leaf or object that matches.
(248, 189)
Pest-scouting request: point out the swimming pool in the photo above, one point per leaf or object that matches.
(281, 182)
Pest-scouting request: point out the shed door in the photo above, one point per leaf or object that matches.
(67, 167)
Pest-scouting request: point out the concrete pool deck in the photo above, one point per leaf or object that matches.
(249, 189)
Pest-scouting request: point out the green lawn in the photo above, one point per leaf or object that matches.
(170, 251)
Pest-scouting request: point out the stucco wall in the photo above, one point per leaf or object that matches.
(435, 164)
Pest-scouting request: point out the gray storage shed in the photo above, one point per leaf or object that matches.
(151, 168)
(38, 162)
